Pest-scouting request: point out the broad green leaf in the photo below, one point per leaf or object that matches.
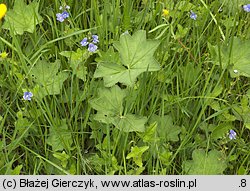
(22, 17)
(49, 81)
(109, 101)
(81, 72)
(96, 162)
(60, 137)
(109, 106)
(130, 123)
(76, 58)
(166, 130)
(211, 163)
(220, 130)
(242, 111)
(165, 157)
(237, 57)
(136, 57)
(181, 32)
(150, 133)
(136, 154)
(44, 71)
(22, 125)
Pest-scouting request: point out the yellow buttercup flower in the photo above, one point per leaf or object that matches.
(3, 55)
(165, 12)
(3, 10)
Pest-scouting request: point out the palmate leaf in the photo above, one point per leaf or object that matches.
(109, 101)
(136, 56)
(130, 123)
(109, 106)
(76, 60)
(49, 80)
(23, 17)
(237, 58)
(60, 136)
(166, 130)
(211, 163)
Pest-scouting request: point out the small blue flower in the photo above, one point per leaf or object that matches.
(27, 96)
(232, 134)
(67, 7)
(84, 42)
(193, 15)
(62, 16)
(90, 42)
(246, 8)
(59, 17)
(65, 14)
(92, 47)
(95, 39)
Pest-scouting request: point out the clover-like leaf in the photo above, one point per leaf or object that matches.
(203, 163)
(136, 56)
(22, 17)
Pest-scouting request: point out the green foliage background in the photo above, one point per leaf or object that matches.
(159, 96)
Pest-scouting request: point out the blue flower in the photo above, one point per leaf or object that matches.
(62, 16)
(95, 39)
(193, 15)
(27, 96)
(232, 134)
(84, 42)
(90, 42)
(246, 8)
(65, 14)
(92, 47)
(59, 17)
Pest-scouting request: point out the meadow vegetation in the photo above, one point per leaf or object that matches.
(125, 87)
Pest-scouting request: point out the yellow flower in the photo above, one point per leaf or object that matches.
(3, 55)
(3, 10)
(165, 12)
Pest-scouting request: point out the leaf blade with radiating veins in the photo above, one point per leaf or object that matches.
(109, 106)
(211, 163)
(109, 101)
(136, 52)
(136, 57)
(234, 57)
(130, 123)
(22, 17)
(48, 80)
